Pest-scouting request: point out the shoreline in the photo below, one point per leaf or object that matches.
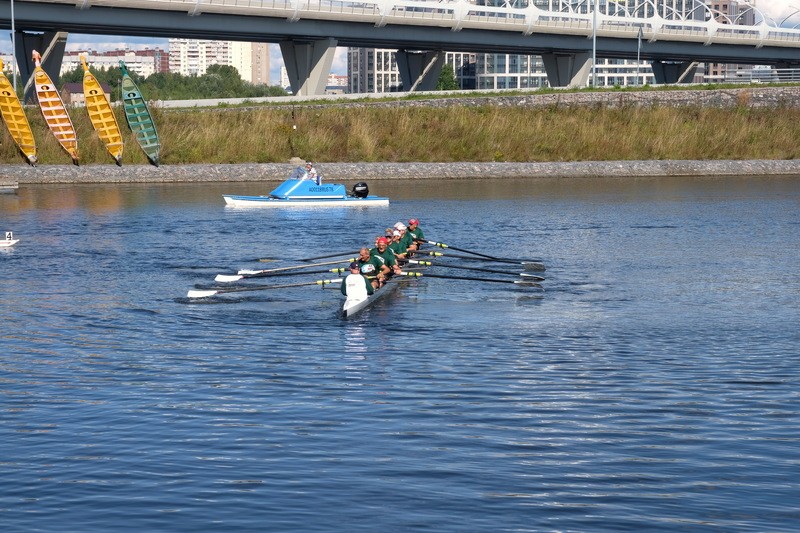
(256, 172)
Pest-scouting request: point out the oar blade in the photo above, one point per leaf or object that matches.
(531, 277)
(225, 278)
(533, 266)
(249, 272)
(200, 294)
(523, 283)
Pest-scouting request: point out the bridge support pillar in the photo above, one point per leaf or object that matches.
(567, 70)
(50, 45)
(308, 64)
(673, 72)
(419, 71)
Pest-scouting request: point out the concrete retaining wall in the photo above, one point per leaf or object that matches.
(45, 174)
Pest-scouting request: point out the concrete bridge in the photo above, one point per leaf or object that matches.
(674, 35)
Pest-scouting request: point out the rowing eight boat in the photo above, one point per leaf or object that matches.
(351, 308)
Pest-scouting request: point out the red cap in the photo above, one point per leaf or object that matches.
(382, 240)
(413, 222)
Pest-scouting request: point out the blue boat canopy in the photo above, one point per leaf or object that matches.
(299, 187)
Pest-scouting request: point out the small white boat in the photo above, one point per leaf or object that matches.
(9, 187)
(9, 240)
(300, 192)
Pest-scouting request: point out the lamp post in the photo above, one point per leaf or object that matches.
(594, 45)
(638, 56)
(13, 48)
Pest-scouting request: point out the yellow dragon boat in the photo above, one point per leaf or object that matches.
(101, 114)
(54, 111)
(15, 119)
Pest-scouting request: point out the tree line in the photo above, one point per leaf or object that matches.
(219, 81)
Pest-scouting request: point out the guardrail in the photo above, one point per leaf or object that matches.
(561, 17)
(766, 75)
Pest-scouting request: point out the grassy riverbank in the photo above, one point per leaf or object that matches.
(442, 134)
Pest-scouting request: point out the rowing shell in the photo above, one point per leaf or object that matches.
(54, 111)
(15, 119)
(352, 308)
(139, 118)
(101, 114)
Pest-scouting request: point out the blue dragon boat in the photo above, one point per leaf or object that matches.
(299, 191)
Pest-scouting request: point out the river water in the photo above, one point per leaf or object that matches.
(652, 385)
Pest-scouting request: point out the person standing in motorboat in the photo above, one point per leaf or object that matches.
(356, 286)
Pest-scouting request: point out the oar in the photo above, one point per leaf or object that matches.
(208, 293)
(526, 265)
(225, 279)
(523, 283)
(263, 273)
(268, 259)
(491, 257)
(529, 277)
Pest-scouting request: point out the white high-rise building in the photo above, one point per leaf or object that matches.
(192, 57)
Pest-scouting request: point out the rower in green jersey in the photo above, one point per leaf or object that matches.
(415, 231)
(400, 250)
(372, 267)
(405, 238)
(386, 255)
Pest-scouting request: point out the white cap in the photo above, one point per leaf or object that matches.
(395, 232)
(399, 226)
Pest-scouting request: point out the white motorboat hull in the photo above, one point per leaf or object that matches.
(267, 201)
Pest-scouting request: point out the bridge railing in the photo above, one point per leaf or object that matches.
(613, 20)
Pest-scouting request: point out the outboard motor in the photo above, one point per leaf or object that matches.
(360, 190)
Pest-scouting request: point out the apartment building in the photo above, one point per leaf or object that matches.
(192, 57)
(142, 62)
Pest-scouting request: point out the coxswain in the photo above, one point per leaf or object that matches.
(372, 267)
(356, 286)
(386, 255)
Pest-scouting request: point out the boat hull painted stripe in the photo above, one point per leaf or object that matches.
(266, 201)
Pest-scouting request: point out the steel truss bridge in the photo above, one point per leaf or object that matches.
(674, 35)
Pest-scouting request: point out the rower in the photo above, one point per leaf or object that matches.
(386, 255)
(372, 267)
(400, 250)
(415, 231)
(356, 286)
(405, 238)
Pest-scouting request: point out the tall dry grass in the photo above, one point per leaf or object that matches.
(428, 134)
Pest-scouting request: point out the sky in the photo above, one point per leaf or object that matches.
(778, 10)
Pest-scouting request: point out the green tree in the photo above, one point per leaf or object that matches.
(219, 81)
(447, 79)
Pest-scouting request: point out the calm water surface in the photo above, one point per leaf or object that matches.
(652, 386)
